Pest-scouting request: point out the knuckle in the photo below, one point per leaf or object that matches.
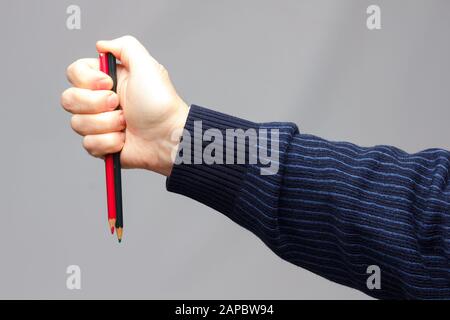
(75, 123)
(77, 66)
(73, 67)
(79, 62)
(87, 143)
(89, 146)
(129, 38)
(69, 69)
(65, 99)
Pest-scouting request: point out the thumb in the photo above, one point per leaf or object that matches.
(128, 50)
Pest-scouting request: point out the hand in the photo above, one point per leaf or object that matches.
(151, 110)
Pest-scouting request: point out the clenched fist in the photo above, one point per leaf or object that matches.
(150, 108)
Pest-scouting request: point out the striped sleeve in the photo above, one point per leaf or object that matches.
(335, 208)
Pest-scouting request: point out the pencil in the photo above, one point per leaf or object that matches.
(112, 67)
(109, 166)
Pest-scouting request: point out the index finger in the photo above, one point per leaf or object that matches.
(85, 74)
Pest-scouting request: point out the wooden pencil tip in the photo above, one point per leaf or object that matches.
(112, 223)
(119, 232)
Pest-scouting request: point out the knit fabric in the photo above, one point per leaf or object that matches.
(335, 208)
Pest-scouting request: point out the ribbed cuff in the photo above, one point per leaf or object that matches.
(215, 185)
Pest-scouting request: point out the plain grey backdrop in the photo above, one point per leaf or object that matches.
(311, 62)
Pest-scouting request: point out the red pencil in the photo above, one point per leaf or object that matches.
(109, 165)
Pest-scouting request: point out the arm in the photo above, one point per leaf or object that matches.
(335, 208)
(330, 207)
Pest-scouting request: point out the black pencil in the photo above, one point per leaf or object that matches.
(116, 159)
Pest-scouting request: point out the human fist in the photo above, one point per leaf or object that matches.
(150, 108)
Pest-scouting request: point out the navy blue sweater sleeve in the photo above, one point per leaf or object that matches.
(335, 208)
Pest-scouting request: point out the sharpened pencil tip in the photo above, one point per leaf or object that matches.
(119, 232)
(112, 223)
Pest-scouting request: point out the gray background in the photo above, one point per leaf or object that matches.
(311, 62)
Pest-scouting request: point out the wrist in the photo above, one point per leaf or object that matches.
(168, 146)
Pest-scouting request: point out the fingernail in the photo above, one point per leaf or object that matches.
(112, 101)
(104, 83)
(122, 119)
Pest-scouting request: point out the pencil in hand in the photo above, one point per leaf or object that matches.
(109, 165)
(112, 68)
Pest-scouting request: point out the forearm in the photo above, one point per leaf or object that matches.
(335, 208)
(344, 208)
